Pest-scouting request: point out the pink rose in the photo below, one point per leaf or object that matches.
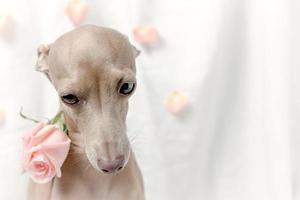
(45, 149)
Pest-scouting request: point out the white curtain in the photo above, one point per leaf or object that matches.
(237, 61)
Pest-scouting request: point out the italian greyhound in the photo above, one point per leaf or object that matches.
(93, 71)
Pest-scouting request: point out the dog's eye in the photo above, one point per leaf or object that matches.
(126, 88)
(70, 99)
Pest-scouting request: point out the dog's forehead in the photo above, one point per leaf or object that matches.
(91, 46)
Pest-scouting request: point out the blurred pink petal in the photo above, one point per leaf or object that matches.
(76, 10)
(146, 34)
(176, 102)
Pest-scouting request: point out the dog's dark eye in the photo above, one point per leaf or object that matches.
(126, 88)
(70, 99)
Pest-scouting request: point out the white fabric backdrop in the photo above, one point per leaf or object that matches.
(236, 60)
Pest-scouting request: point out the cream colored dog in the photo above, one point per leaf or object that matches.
(93, 71)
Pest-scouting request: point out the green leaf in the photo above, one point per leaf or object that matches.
(60, 122)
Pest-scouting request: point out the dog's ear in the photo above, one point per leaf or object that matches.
(42, 60)
(135, 51)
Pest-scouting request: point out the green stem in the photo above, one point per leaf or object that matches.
(25, 117)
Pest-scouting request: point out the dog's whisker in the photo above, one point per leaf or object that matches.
(132, 138)
(137, 139)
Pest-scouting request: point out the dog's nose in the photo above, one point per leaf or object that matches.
(111, 166)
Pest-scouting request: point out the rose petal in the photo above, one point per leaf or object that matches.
(27, 135)
(41, 169)
(41, 135)
(43, 179)
(57, 154)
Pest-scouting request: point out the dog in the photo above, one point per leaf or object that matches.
(93, 71)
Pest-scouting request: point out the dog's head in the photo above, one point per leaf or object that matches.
(93, 72)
